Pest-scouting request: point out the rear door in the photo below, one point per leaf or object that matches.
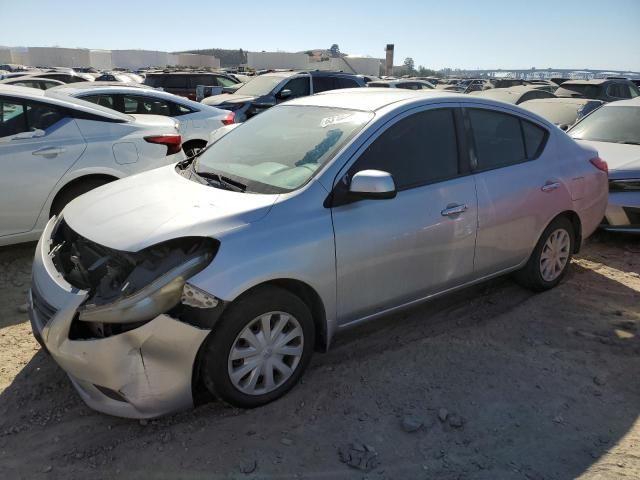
(394, 251)
(517, 183)
(38, 144)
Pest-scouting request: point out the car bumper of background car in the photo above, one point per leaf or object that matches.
(623, 212)
(141, 373)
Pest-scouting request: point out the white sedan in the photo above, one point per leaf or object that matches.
(53, 149)
(197, 120)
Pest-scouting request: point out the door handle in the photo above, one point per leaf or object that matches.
(49, 151)
(550, 186)
(453, 210)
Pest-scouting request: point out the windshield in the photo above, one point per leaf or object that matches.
(259, 86)
(282, 148)
(610, 124)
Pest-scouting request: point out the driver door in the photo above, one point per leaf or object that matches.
(390, 252)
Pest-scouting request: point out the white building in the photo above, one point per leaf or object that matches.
(302, 61)
(102, 59)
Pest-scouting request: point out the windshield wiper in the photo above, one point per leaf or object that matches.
(223, 181)
(630, 142)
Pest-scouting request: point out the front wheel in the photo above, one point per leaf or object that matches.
(550, 259)
(260, 348)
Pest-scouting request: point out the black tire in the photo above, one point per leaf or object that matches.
(193, 147)
(75, 190)
(531, 275)
(215, 358)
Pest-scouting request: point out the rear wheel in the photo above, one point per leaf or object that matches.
(550, 259)
(260, 348)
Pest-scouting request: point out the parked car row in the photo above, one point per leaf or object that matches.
(239, 249)
(227, 270)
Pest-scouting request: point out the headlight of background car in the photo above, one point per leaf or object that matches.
(147, 292)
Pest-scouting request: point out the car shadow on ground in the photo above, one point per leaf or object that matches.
(545, 386)
(15, 278)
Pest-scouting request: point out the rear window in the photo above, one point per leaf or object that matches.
(577, 90)
(177, 81)
(155, 80)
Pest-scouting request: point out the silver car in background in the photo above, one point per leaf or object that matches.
(196, 120)
(229, 270)
(53, 149)
(614, 130)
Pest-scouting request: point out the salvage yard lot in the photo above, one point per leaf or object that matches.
(526, 387)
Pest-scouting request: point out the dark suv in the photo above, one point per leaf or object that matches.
(265, 91)
(607, 90)
(184, 83)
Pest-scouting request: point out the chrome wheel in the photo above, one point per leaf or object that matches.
(555, 255)
(265, 353)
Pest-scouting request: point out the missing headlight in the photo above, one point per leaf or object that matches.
(124, 286)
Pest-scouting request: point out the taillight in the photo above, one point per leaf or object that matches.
(172, 141)
(600, 164)
(229, 118)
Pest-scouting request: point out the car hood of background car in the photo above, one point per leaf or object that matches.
(159, 205)
(227, 98)
(619, 156)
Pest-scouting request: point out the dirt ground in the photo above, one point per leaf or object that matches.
(490, 383)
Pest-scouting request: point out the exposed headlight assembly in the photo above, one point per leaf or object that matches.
(160, 295)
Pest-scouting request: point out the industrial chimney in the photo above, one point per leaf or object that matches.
(388, 67)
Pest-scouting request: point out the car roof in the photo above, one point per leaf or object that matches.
(562, 100)
(372, 99)
(28, 93)
(74, 89)
(10, 80)
(505, 93)
(585, 82)
(634, 102)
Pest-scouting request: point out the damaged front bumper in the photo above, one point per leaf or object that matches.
(140, 373)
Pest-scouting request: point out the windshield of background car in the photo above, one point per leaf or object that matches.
(259, 86)
(557, 113)
(610, 124)
(281, 149)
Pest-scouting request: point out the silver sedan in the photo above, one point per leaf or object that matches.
(231, 269)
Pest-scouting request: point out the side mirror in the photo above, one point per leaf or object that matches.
(372, 184)
(286, 93)
(31, 134)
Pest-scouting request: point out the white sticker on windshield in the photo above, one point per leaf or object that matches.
(345, 117)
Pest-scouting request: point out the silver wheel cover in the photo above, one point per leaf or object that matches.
(265, 353)
(555, 255)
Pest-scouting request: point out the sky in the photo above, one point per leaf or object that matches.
(483, 34)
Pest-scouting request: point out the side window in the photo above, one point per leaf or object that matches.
(407, 86)
(341, 82)
(147, 105)
(41, 117)
(417, 150)
(322, 84)
(534, 139)
(48, 85)
(501, 139)
(497, 137)
(133, 105)
(12, 118)
(225, 82)
(177, 109)
(299, 87)
(176, 81)
(102, 100)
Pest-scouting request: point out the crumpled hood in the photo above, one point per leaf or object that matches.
(227, 98)
(619, 156)
(159, 205)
